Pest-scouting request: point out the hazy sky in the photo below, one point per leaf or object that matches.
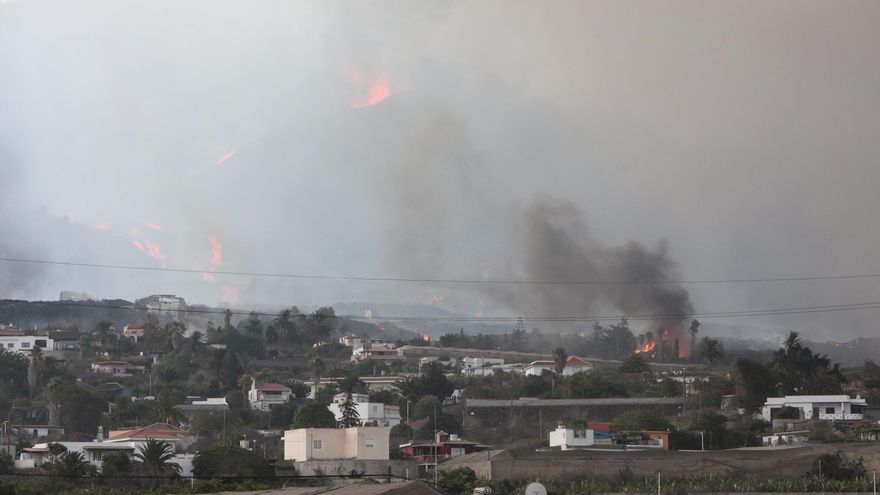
(732, 139)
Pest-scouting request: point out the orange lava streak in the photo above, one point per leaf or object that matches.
(226, 156)
(136, 243)
(380, 90)
(216, 250)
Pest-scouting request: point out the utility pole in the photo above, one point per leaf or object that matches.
(436, 444)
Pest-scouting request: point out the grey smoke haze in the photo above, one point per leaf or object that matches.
(746, 135)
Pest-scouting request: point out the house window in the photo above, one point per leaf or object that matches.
(370, 443)
(318, 444)
(580, 433)
(25, 345)
(98, 456)
(829, 410)
(10, 345)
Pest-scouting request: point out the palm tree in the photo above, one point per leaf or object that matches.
(71, 465)
(710, 350)
(559, 358)
(175, 332)
(195, 343)
(695, 328)
(156, 456)
(317, 369)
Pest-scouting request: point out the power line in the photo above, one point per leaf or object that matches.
(356, 278)
(502, 319)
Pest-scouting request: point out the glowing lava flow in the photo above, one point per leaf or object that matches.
(216, 250)
(379, 90)
(226, 156)
(154, 251)
(136, 243)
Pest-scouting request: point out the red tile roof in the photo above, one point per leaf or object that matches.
(576, 361)
(273, 387)
(155, 430)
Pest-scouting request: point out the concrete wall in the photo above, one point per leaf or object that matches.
(399, 467)
(751, 462)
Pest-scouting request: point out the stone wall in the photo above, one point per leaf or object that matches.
(403, 468)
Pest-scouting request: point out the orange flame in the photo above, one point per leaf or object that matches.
(226, 156)
(379, 90)
(648, 348)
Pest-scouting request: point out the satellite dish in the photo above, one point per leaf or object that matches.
(536, 489)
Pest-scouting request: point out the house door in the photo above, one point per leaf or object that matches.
(815, 413)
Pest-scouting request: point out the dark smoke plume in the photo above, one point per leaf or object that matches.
(556, 245)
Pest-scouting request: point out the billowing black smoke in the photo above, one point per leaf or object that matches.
(556, 245)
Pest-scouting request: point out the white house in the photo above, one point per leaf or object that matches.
(369, 413)
(263, 397)
(538, 367)
(16, 340)
(575, 364)
(479, 362)
(377, 351)
(93, 452)
(571, 438)
(823, 407)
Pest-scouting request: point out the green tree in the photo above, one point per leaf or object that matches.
(219, 462)
(559, 358)
(71, 465)
(313, 414)
(116, 464)
(639, 419)
(350, 415)
(635, 363)
(253, 326)
(757, 382)
(803, 372)
(710, 351)
(459, 481)
(156, 457)
(6, 463)
(694, 330)
(870, 374)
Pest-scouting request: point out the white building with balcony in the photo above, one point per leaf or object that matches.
(821, 407)
(571, 438)
(369, 413)
(263, 397)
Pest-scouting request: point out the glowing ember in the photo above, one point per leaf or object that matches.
(648, 348)
(154, 226)
(136, 243)
(379, 90)
(226, 156)
(154, 251)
